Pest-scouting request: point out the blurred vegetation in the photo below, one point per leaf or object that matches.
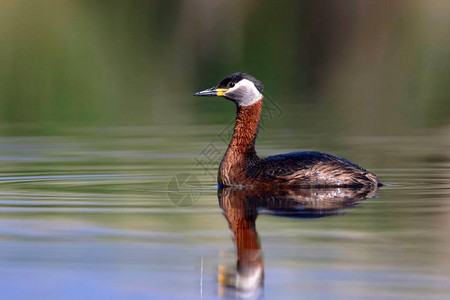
(362, 66)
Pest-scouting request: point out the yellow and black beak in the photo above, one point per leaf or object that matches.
(211, 92)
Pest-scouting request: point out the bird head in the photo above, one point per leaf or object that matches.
(241, 88)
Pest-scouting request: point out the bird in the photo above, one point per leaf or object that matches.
(242, 167)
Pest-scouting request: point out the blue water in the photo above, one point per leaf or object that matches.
(91, 218)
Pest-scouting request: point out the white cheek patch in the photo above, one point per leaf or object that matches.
(244, 92)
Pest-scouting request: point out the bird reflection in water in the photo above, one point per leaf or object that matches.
(241, 208)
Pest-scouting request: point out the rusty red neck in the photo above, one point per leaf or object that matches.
(241, 150)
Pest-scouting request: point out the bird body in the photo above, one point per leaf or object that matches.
(241, 166)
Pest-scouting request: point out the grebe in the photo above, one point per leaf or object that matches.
(241, 166)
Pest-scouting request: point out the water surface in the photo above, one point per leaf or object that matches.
(91, 213)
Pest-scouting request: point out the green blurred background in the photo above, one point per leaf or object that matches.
(376, 67)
